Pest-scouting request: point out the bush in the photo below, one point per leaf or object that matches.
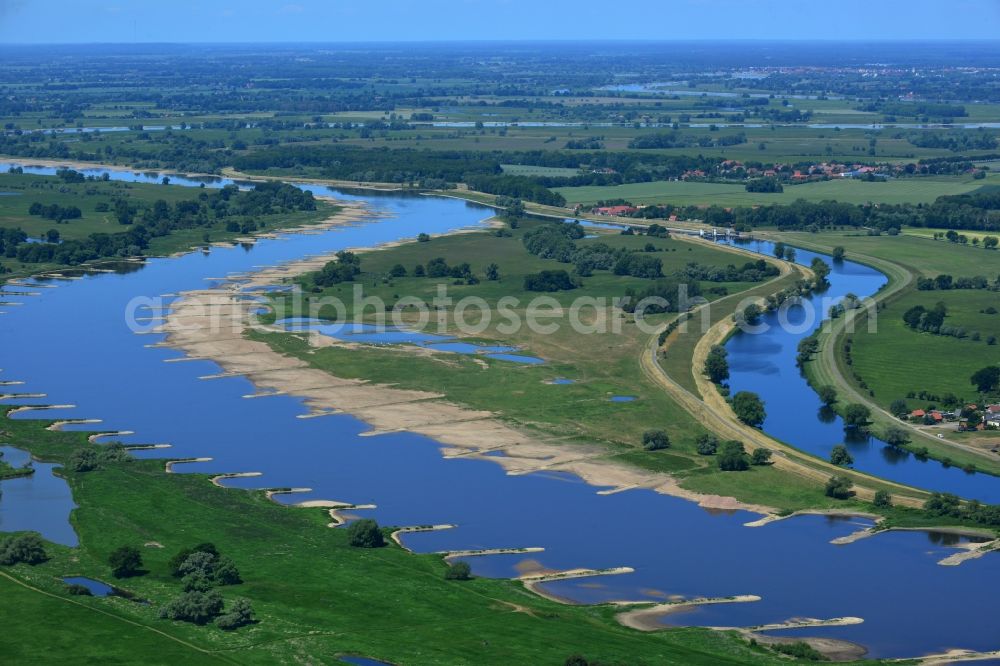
(196, 607)
(882, 499)
(240, 614)
(365, 533)
(79, 590)
(839, 487)
(760, 456)
(733, 457)
(654, 440)
(706, 445)
(125, 561)
(203, 570)
(458, 571)
(26, 548)
(800, 650)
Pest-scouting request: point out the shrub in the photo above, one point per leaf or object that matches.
(79, 590)
(654, 440)
(760, 456)
(707, 445)
(194, 606)
(365, 533)
(458, 571)
(240, 614)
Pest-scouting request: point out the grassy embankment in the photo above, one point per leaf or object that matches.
(602, 365)
(893, 359)
(314, 595)
(21, 190)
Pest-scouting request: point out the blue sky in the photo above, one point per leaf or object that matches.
(57, 21)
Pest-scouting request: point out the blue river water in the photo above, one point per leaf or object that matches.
(676, 548)
(41, 502)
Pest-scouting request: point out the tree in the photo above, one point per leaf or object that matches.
(779, 250)
(423, 238)
(751, 314)
(654, 440)
(193, 606)
(896, 436)
(990, 242)
(492, 272)
(174, 565)
(898, 408)
(790, 254)
(986, 379)
(125, 561)
(749, 408)
(240, 614)
(716, 366)
(821, 269)
(760, 456)
(838, 253)
(26, 548)
(827, 394)
(733, 457)
(882, 499)
(856, 415)
(397, 271)
(707, 445)
(365, 533)
(839, 487)
(839, 456)
(458, 571)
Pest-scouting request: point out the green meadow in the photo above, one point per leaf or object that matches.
(685, 193)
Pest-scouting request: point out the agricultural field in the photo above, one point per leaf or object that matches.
(896, 360)
(681, 193)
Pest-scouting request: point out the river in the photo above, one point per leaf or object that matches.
(77, 349)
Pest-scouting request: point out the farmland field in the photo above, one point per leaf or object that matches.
(684, 193)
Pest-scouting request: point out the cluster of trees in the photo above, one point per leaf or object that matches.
(676, 139)
(932, 320)
(160, 219)
(557, 280)
(955, 141)
(667, 291)
(751, 271)
(946, 505)
(765, 185)
(439, 268)
(944, 282)
(344, 268)
(26, 548)
(92, 458)
(520, 187)
(202, 568)
(554, 241)
(732, 455)
(55, 212)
